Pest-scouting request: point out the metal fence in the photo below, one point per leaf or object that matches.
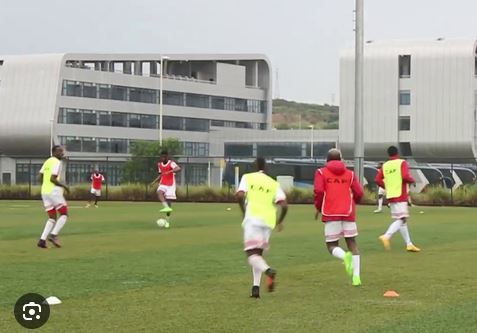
(224, 171)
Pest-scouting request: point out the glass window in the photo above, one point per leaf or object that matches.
(232, 149)
(89, 90)
(253, 106)
(198, 101)
(405, 149)
(89, 145)
(173, 98)
(71, 88)
(404, 66)
(218, 103)
(118, 119)
(73, 143)
(104, 146)
(404, 97)
(229, 103)
(148, 121)
(89, 117)
(73, 116)
(135, 120)
(279, 150)
(104, 91)
(196, 148)
(263, 106)
(119, 93)
(104, 118)
(240, 104)
(217, 123)
(142, 95)
(172, 123)
(404, 123)
(192, 124)
(119, 146)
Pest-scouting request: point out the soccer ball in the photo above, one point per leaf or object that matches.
(162, 223)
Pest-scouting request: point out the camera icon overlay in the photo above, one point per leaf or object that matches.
(32, 311)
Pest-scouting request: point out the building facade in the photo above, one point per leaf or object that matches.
(97, 105)
(421, 96)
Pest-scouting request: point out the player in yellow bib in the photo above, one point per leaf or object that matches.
(259, 195)
(52, 196)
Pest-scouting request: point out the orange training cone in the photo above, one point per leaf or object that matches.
(391, 294)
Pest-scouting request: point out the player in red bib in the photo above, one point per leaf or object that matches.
(166, 191)
(97, 180)
(336, 192)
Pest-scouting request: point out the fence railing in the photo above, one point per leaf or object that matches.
(453, 181)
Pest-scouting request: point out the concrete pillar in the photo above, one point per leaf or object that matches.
(137, 68)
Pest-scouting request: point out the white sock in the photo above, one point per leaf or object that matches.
(380, 204)
(393, 228)
(48, 226)
(258, 262)
(59, 224)
(338, 252)
(165, 204)
(356, 265)
(405, 234)
(257, 276)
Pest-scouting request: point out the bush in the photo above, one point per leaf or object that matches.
(435, 195)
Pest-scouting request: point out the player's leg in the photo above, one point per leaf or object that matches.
(91, 198)
(380, 203)
(353, 248)
(97, 194)
(333, 232)
(255, 242)
(410, 247)
(161, 195)
(62, 208)
(396, 214)
(50, 223)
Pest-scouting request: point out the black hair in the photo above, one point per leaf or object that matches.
(164, 152)
(260, 163)
(333, 155)
(393, 151)
(54, 148)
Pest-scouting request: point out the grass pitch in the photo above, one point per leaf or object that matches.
(119, 272)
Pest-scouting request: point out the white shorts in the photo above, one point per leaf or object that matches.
(169, 191)
(399, 210)
(256, 234)
(96, 192)
(381, 191)
(53, 200)
(334, 230)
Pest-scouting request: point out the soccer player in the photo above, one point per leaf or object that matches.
(336, 192)
(395, 177)
(258, 196)
(53, 199)
(381, 194)
(97, 180)
(166, 191)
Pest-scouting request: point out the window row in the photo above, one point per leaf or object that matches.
(152, 96)
(121, 146)
(238, 124)
(269, 149)
(134, 120)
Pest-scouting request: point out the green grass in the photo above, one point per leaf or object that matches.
(118, 272)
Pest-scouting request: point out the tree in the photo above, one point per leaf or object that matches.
(142, 167)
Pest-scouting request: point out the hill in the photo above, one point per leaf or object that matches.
(289, 114)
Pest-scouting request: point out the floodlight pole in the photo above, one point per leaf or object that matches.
(358, 96)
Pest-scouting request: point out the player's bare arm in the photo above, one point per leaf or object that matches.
(283, 212)
(54, 180)
(241, 201)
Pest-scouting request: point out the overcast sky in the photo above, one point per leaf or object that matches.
(302, 38)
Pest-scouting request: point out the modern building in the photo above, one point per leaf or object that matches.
(98, 104)
(421, 95)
